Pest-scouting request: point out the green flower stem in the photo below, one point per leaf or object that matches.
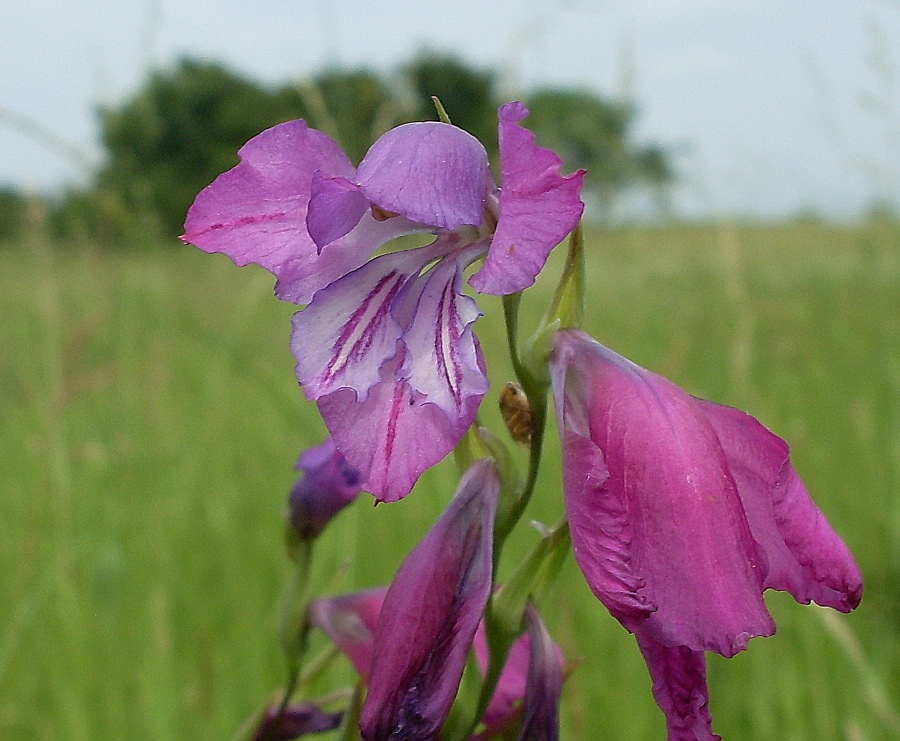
(294, 629)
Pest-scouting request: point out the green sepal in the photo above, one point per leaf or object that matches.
(441, 111)
(531, 578)
(566, 310)
(293, 626)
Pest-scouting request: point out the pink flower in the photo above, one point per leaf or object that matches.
(385, 345)
(682, 512)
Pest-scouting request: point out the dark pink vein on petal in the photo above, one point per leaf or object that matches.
(364, 324)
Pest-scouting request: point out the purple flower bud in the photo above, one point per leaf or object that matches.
(545, 679)
(528, 691)
(298, 719)
(328, 484)
(430, 615)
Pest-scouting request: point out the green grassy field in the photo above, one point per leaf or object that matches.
(150, 421)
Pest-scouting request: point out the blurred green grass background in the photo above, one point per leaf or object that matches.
(150, 421)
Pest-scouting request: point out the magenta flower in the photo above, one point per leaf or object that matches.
(430, 614)
(328, 484)
(682, 512)
(385, 345)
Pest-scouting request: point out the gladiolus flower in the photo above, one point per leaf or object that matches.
(682, 512)
(385, 345)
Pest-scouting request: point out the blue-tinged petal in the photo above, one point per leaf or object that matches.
(335, 206)
(430, 614)
(394, 435)
(428, 172)
(805, 556)
(667, 514)
(342, 338)
(538, 208)
(680, 689)
(256, 212)
(442, 362)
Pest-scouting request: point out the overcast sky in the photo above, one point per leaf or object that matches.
(773, 107)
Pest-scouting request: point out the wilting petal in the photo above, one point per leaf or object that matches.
(538, 208)
(348, 331)
(655, 516)
(256, 212)
(442, 363)
(394, 435)
(805, 556)
(428, 172)
(350, 621)
(328, 485)
(679, 686)
(430, 614)
(335, 206)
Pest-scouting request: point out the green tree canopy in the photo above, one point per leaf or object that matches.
(180, 131)
(185, 126)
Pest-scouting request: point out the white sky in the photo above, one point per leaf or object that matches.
(774, 107)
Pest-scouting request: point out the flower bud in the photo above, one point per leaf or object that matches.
(328, 484)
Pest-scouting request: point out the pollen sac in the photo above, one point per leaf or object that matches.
(516, 413)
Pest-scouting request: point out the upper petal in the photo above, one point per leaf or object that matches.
(806, 557)
(683, 541)
(538, 208)
(256, 212)
(428, 172)
(335, 206)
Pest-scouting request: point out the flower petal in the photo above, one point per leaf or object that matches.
(350, 620)
(256, 212)
(335, 206)
(428, 172)
(668, 504)
(505, 706)
(394, 435)
(442, 362)
(348, 331)
(538, 208)
(805, 556)
(545, 679)
(430, 614)
(679, 686)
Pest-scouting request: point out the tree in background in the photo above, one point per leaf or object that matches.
(468, 94)
(179, 131)
(187, 123)
(590, 132)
